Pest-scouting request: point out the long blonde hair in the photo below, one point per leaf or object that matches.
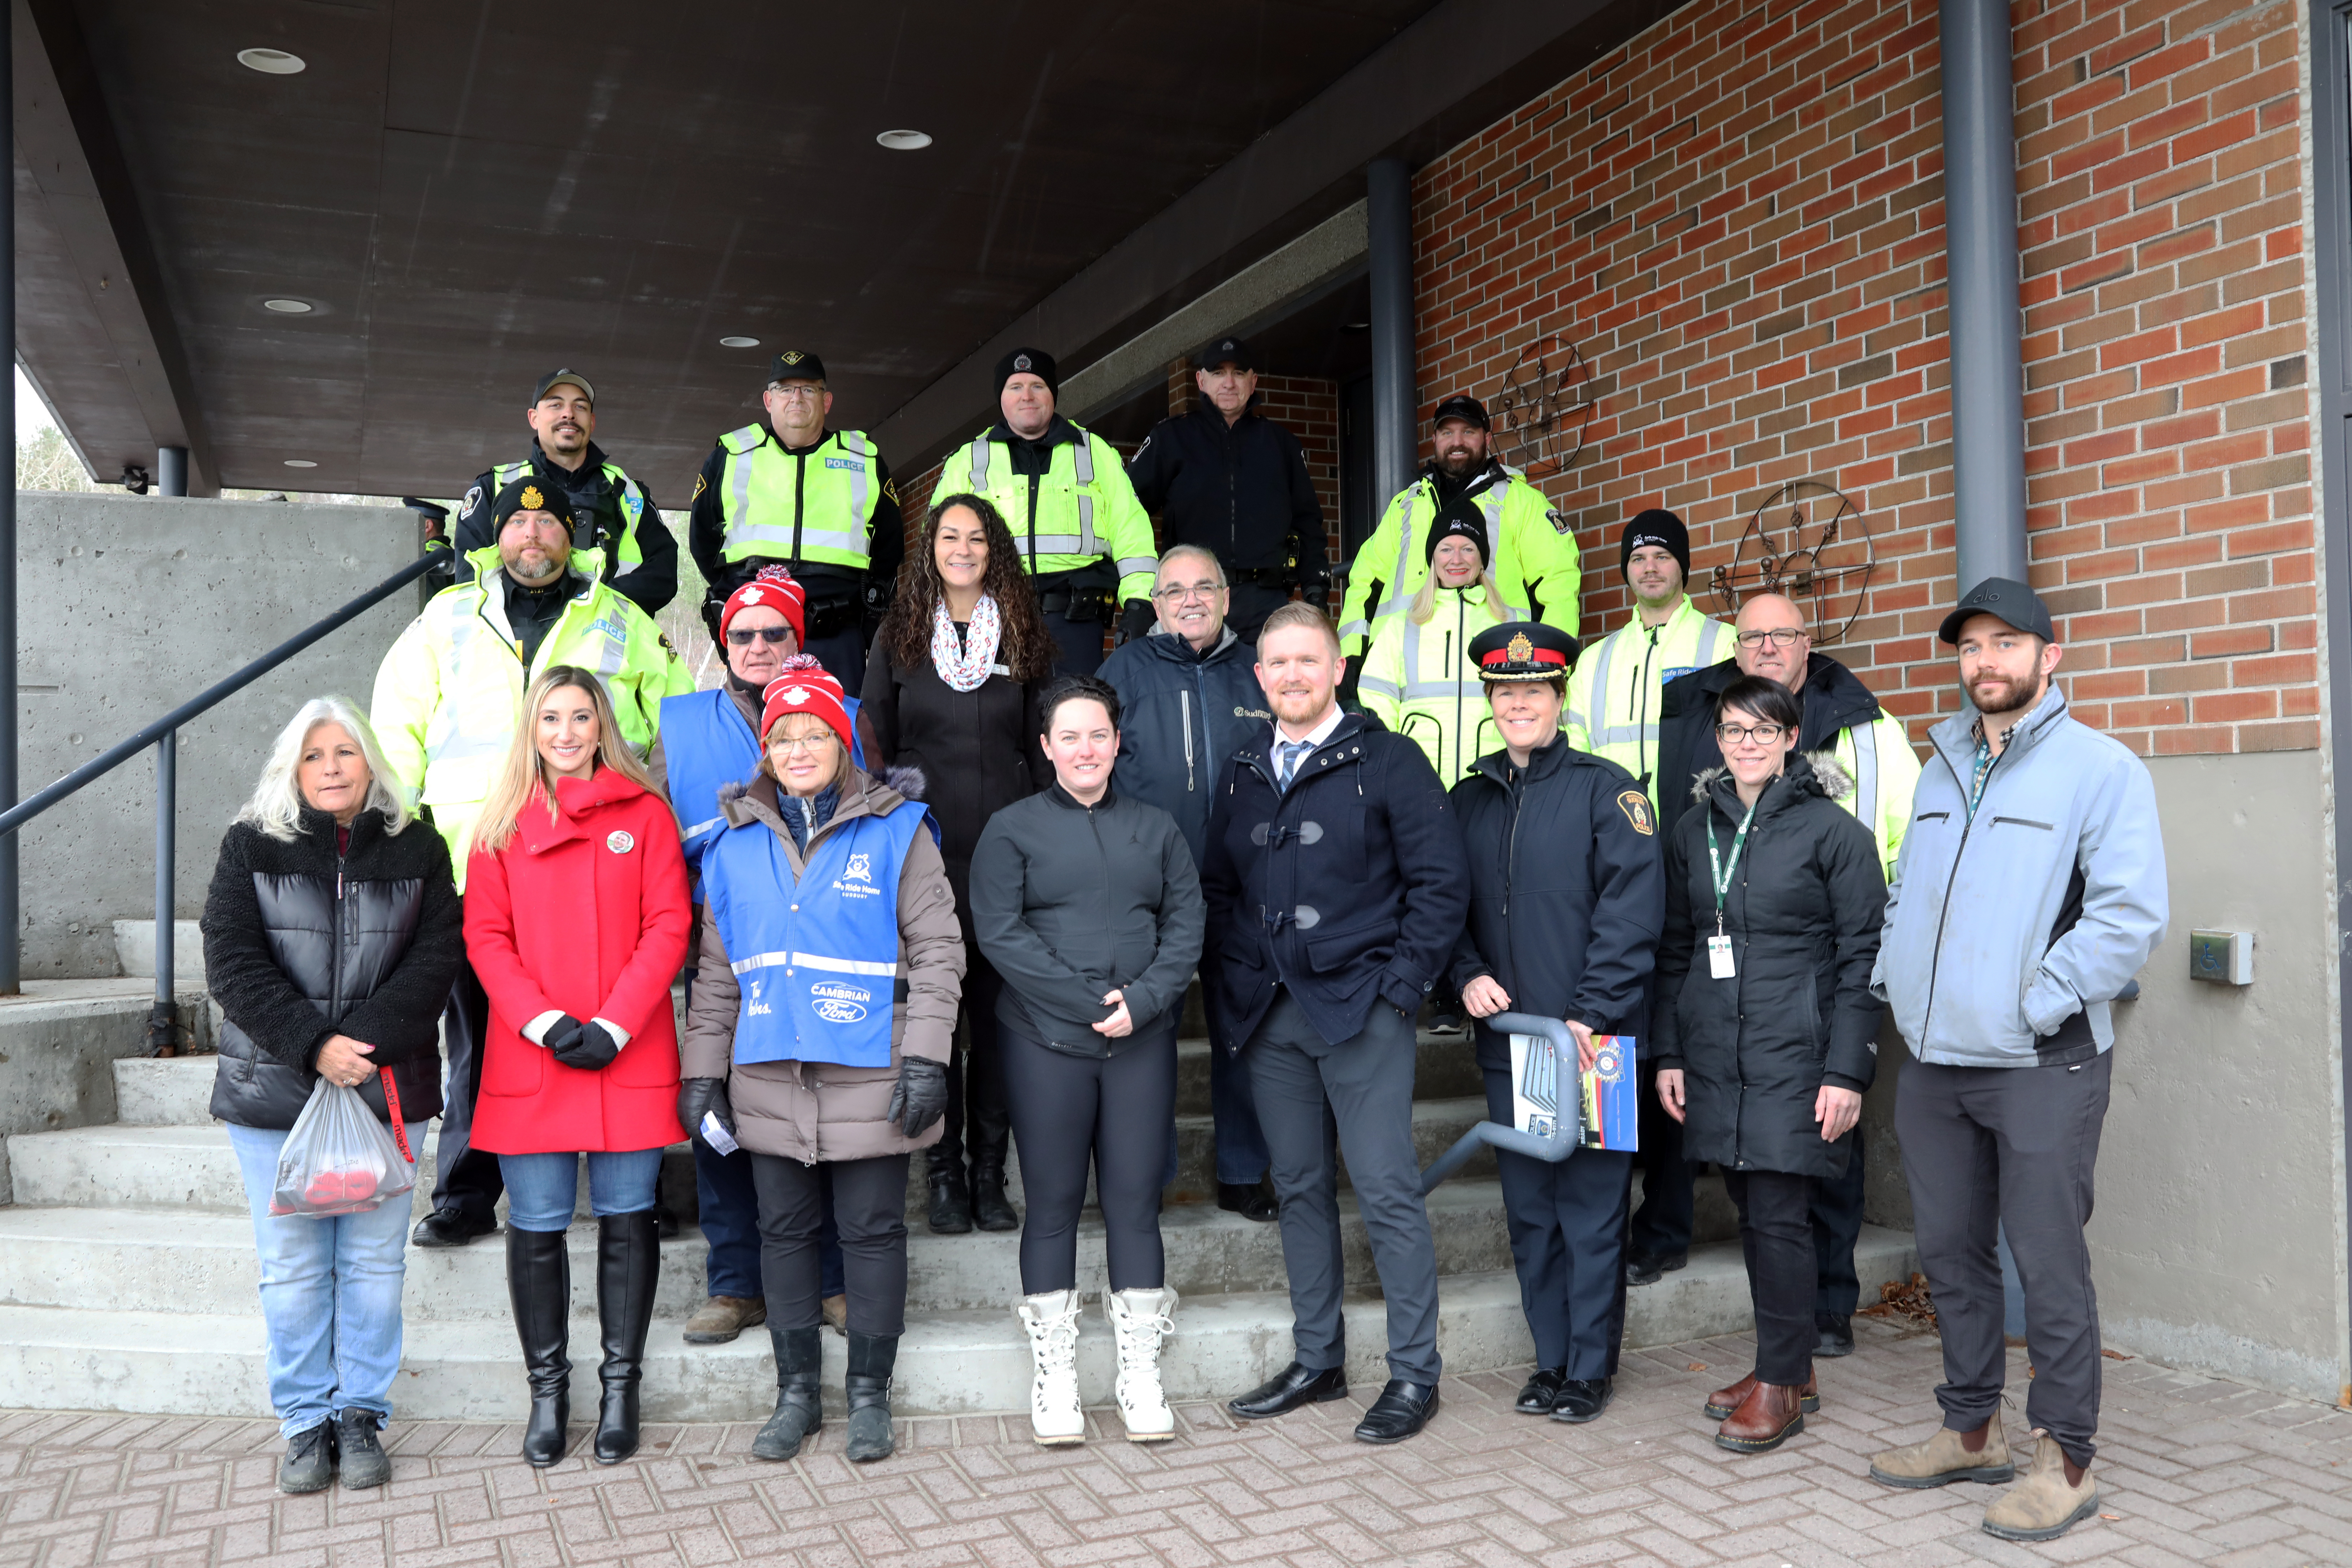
(522, 779)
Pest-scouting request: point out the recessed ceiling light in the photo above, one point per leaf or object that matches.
(739, 343)
(301, 463)
(288, 306)
(271, 62)
(905, 141)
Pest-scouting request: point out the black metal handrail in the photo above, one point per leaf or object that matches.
(164, 734)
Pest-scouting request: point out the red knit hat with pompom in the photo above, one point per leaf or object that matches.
(776, 588)
(804, 687)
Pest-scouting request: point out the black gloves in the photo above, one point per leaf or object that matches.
(563, 1032)
(921, 1097)
(587, 1046)
(697, 1095)
(1137, 620)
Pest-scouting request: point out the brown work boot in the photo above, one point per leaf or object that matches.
(1724, 1401)
(1940, 1460)
(2042, 1505)
(836, 1313)
(1770, 1414)
(723, 1317)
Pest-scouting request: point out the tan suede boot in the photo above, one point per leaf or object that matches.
(2042, 1505)
(1941, 1460)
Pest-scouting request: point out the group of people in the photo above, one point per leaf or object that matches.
(964, 906)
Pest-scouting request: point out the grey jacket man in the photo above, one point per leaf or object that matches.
(2011, 925)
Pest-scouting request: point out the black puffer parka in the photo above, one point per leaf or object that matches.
(1803, 912)
(302, 942)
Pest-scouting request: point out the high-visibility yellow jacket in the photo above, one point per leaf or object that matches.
(1530, 545)
(449, 694)
(801, 507)
(1421, 682)
(1081, 511)
(1613, 695)
(1878, 757)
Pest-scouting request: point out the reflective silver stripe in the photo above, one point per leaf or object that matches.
(861, 491)
(1082, 457)
(1059, 544)
(444, 740)
(1710, 633)
(811, 960)
(1866, 774)
(1132, 563)
(810, 538)
(1355, 629)
(1600, 690)
(979, 466)
(1088, 543)
(686, 835)
(633, 499)
(1376, 683)
(1416, 689)
(738, 486)
(1491, 503)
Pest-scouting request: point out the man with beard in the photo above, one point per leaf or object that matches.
(1530, 545)
(2029, 892)
(610, 511)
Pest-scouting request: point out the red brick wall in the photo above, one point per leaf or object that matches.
(1737, 220)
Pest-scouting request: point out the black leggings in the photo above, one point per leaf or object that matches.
(1776, 1232)
(869, 1202)
(1066, 1111)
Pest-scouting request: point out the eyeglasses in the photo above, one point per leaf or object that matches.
(1175, 593)
(740, 636)
(806, 746)
(798, 393)
(1778, 636)
(1762, 734)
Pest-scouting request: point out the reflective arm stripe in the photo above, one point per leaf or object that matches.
(979, 466)
(811, 960)
(688, 834)
(1710, 634)
(1354, 629)
(1127, 564)
(1376, 683)
(1866, 773)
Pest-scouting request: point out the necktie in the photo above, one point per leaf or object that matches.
(1293, 753)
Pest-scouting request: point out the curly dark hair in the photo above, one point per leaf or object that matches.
(1076, 689)
(1024, 643)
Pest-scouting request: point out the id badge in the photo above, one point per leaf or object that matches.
(1719, 957)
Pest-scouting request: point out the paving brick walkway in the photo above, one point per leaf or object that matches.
(2193, 1472)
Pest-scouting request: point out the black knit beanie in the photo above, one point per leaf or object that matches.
(1658, 527)
(1465, 523)
(1035, 362)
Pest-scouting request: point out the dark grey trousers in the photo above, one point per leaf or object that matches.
(2012, 1147)
(1315, 1100)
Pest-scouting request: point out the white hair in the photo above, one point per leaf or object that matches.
(276, 807)
(1195, 552)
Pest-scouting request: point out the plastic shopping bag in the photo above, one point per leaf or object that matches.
(339, 1159)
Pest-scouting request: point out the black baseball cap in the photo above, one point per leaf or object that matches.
(2005, 600)
(1461, 405)
(1225, 350)
(557, 378)
(796, 364)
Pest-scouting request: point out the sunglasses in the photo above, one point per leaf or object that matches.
(740, 636)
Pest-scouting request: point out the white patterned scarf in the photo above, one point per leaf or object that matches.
(965, 663)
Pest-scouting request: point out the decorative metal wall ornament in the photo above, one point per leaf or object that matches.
(1544, 409)
(1810, 543)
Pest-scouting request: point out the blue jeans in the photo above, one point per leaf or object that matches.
(330, 1293)
(543, 1189)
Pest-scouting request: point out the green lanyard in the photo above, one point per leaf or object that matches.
(1722, 869)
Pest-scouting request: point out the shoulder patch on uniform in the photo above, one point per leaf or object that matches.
(667, 647)
(1636, 807)
(473, 499)
(1559, 523)
(891, 488)
(1145, 448)
(700, 485)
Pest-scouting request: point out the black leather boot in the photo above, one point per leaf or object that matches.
(628, 1265)
(872, 1358)
(990, 1208)
(950, 1213)
(990, 1134)
(799, 1410)
(539, 1284)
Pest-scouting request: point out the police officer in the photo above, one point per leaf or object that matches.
(792, 488)
(1233, 482)
(1843, 719)
(1614, 701)
(1084, 538)
(1529, 546)
(446, 701)
(612, 511)
(1567, 899)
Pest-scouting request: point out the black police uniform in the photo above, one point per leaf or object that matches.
(1566, 900)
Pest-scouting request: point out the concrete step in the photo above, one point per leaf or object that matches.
(951, 1363)
(166, 1261)
(134, 949)
(58, 1043)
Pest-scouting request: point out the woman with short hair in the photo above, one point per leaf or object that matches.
(331, 934)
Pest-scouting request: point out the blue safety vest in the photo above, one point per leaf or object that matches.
(705, 744)
(816, 957)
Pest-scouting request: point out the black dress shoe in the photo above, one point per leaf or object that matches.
(1248, 1199)
(1645, 1267)
(1836, 1330)
(1542, 1391)
(950, 1209)
(1402, 1409)
(449, 1228)
(1582, 1398)
(1288, 1389)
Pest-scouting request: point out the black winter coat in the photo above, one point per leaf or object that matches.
(1181, 715)
(1567, 890)
(1803, 913)
(1832, 698)
(1070, 901)
(1242, 490)
(1348, 890)
(301, 942)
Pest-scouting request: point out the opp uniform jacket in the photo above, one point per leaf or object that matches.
(824, 1111)
(1241, 491)
(1616, 695)
(1182, 713)
(1567, 890)
(1419, 681)
(583, 913)
(1070, 901)
(612, 514)
(1803, 912)
(1349, 889)
(1530, 545)
(830, 512)
(303, 942)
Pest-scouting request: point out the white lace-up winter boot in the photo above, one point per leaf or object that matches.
(1141, 1319)
(1052, 1321)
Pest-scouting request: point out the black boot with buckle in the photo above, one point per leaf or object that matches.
(872, 1358)
(800, 1408)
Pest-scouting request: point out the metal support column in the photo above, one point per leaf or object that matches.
(1395, 394)
(163, 1021)
(172, 471)
(1980, 261)
(12, 925)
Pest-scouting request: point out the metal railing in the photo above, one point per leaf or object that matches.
(163, 1020)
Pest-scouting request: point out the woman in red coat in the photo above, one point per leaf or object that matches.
(576, 920)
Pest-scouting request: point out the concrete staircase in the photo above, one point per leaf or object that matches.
(127, 1281)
